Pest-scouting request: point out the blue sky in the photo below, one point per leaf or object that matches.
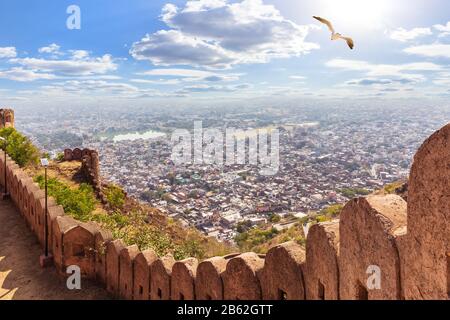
(141, 50)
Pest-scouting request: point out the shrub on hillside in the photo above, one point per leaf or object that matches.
(115, 196)
(19, 147)
(391, 187)
(133, 229)
(354, 192)
(332, 211)
(274, 218)
(59, 156)
(254, 237)
(78, 202)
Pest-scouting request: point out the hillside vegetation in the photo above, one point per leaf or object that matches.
(261, 239)
(126, 218)
(19, 147)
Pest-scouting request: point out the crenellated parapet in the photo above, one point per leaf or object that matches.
(407, 242)
(424, 249)
(322, 254)
(183, 279)
(368, 230)
(282, 277)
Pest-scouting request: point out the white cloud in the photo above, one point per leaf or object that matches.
(379, 82)
(79, 54)
(191, 75)
(96, 77)
(23, 75)
(158, 82)
(8, 52)
(442, 79)
(296, 77)
(100, 88)
(380, 76)
(219, 34)
(55, 51)
(51, 49)
(203, 88)
(69, 67)
(195, 6)
(165, 48)
(401, 71)
(444, 29)
(404, 35)
(76, 86)
(435, 50)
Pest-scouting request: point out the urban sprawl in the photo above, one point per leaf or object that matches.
(326, 156)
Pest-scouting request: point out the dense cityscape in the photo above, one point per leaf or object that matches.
(328, 154)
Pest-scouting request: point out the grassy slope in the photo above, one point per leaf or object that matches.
(135, 223)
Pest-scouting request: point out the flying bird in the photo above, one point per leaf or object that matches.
(335, 35)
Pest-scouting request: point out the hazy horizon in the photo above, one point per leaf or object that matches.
(217, 51)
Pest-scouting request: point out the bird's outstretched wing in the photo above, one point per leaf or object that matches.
(325, 21)
(349, 41)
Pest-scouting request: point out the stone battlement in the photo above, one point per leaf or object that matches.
(6, 118)
(90, 167)
(408, 241)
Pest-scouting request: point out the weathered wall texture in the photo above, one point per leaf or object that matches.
(241, 277)
(409, 242)
(183, 279)
(282, 275)
(208, 283)
(161, 273)
(90, 167)
(142, 275)
(425, 251)
(113, 250)
(6, 118)
(322, 267)
(78, 248)
(60, 226)
(102, 238)
(368, 228)
(126, 265)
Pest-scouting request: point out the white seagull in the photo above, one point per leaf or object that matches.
(334, 34)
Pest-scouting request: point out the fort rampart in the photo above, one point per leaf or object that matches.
(90, 167)
(408, 241)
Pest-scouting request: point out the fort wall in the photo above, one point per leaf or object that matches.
(409, 242)
(90, 167)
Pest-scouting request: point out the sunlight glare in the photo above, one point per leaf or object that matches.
(367, 14)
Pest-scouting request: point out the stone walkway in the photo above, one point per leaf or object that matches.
(21, 277)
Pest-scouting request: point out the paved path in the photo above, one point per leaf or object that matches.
(21, 277)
